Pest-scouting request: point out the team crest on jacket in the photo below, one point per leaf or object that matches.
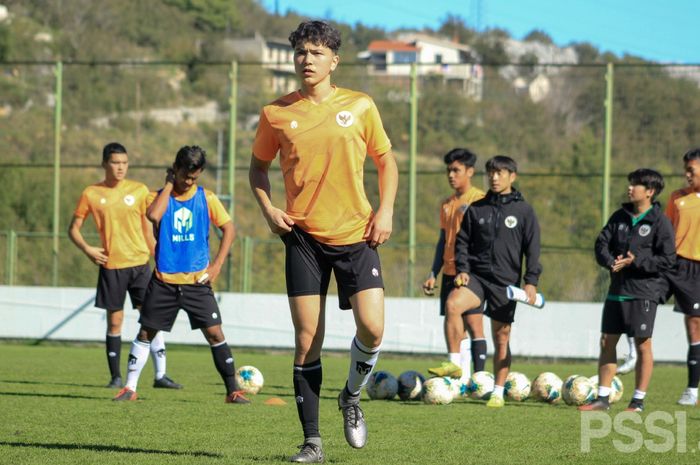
(511, 221)
(644, 230)
(344, 119)
(129, 200)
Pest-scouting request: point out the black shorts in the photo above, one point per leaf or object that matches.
(632, 317)
(498, 306)
(112, 286)
(308, 265)
(164, 301)
(448, 284)
(685, 286)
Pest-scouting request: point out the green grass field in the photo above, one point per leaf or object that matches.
(55, 411)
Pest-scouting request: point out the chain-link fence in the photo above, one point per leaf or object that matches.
(550, 118)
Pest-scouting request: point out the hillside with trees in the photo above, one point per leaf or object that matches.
(128, 58)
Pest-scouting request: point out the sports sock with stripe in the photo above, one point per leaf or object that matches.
(307, 388)
(113, 346)
(223, 360)
(362, 362)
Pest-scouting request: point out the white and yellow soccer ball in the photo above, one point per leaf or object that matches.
(249, 379)
(517, 386)
(382, 385)
(616, 388)
(547, 387)
(438, 391)
(460, 387)
(578, 390)
(411, 385)
(481, 385)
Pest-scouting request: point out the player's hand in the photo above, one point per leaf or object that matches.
(279, 222)
(531, 292)
(170, 176)
(213, 270)
(462, 279)
(429, 286)
(97, 255)
(379, 229)
(622, 262)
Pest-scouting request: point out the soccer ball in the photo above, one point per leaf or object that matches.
(438, 390)
(616, 388)
(460, 387)
(382, 385)
(517, 386)
(249, 379)
(411, 385)
(547, 387)
(578, 390)
(481, 385)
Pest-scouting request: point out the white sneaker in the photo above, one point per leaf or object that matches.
(687, 398)
(627, 366)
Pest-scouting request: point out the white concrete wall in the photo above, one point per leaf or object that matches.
(412, 325)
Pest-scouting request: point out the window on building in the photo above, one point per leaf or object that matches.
(404, 57)
(438, 58)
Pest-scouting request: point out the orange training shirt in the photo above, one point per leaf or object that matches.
(451, 214)
(684, 211)
(217, 215)
(118, 212)
(322, 153)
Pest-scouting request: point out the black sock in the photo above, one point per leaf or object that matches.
(113, 346)
(604, 399)
(478, 354)
(693, 365)
(223, 360)
(307, 387)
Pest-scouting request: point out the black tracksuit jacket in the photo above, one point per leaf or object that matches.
(496, 232)
(651, 241)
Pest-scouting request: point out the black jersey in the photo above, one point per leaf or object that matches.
(651, 240)
(497, 232)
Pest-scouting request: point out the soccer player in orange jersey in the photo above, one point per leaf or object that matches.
(323, 134)
(684, 211)
(460, 170)
(118, 206)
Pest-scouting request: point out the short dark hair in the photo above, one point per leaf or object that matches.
(693, 154)
(650, 179)
(318, 33)
(191, 158)
(464, 156)
(501, 162)
(109, 149)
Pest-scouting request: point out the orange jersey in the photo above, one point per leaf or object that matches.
(684, 211)
(218, 216)
(322, 153)
(118, 212)
(451, 214)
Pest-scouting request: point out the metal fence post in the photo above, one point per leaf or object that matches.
(610, 79)
(413, 135)
(57, 170)
(232, 117)
(11, 257)
(247, 265)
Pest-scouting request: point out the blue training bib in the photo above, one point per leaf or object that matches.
(183, 235)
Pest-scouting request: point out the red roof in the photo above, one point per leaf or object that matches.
(395, 45)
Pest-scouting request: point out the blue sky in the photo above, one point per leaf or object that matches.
(663, 31)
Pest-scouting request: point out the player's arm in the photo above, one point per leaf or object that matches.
(429, 283)
(147, 228)
(602, 246)
(157, 209)
(278, 221)
(533, 267)
(95, 254)
(380, 227)
(462, 250)
(228, 234)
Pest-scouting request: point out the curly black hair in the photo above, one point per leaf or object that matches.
(318, 33)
